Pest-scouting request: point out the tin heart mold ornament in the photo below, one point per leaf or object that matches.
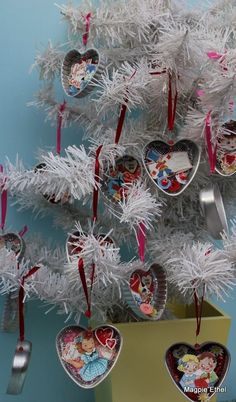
(9, 321)
(13, 242)
(213, 210)
(116, 179)
(198, 372)
(171, 166)
(80, 70)
(226, 150)
(88, 356)
(146, 293)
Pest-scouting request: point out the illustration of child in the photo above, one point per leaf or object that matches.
(227, 153)
(189, 365)
(206, 374)
(91, 365)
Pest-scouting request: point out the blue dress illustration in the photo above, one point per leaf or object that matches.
(94, 366)
(188, 380)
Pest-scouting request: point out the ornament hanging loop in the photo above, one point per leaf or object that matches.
(87, 20)
(198, 311)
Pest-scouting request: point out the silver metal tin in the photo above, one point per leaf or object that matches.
(194, 153)
(19, 367)
(71, 58)
(160, 295)
(200, 347)
(58, 348)
(213, 210)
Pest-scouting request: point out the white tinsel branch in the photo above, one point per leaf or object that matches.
(198, 266)
(138, 207)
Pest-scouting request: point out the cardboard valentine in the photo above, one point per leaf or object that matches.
(198, 372)
(88, 356)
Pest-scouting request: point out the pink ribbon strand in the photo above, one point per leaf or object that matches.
(3, 201)
(87, 19)
(141, 241)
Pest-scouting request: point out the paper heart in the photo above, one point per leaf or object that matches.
(13, 242)
(80, 70)
(198, 371)
(111, 343)
(147, 292)
(103, 335)
(81, 357)
(171, 167)
(116, 180)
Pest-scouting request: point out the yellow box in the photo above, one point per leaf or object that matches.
(140, 374)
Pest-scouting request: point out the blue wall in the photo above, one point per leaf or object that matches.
(24, 26)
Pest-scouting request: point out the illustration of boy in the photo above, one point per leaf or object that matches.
(206, 374)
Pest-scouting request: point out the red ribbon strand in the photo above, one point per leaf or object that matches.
(21, 303)
(87, 19)
(211, 149)
(85, 286)
(171, 105)
(97, 179)
(3, 202)
(121, 120)
(198, 310)
(23, 231)
(62, 107)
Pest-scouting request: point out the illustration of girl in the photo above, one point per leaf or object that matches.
(188, 364)
(90, 364)
(226, 154)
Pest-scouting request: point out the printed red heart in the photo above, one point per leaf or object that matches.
(85, 360)
(104, 334)
(111, 343)
(198, 372)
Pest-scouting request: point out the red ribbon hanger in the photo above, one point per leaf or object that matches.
(122, 114)
(61, 109)
(3, 201)
(172, 104)
(21, 302)
(198, 311)
(141, 241)
(88, 294)
(211, 149)
(87, 19)
(97, 179)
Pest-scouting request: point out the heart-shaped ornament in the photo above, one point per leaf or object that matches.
(146, 293)
(88, 356)
(226, 150)
(198, 372)
(171, 166)
(75, 242)
(13, 242)
(80, 70)
(117, 179)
